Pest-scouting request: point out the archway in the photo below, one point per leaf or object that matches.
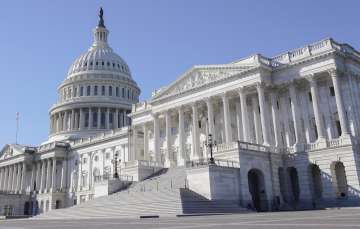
(339, 178)
(27, 208)
(316, 183)
(257, 189)
(294, 182)
(57, 204)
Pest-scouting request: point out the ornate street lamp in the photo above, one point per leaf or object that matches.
(210, 144)
(115, 161)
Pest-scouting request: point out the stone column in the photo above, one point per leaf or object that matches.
(22, 181)
(275, 118)
(181, 154)
(146, 142)
(1, 178)
(295, 112)
(99, 118)
(257, 125)
(81, 119)
(315, 102)
(53, 178)
(38, 176)
(48, 175)
(227, 121)
(195, 133)
(134, 137)
(63, 183)
(116, 119)
(8, 177)
(57, 122)
(125, 118)
(244, 115)
(339, 103)
(107, 119)
(210, 114)
(61, 121)
(263, 115)
(18, 178)
(156, 138)
(42, 176)
(90, 119)
(72, 117)
(33, 177)
(168, 139)
(13, 180)
(66, 121)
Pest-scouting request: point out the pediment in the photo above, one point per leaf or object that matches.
(10, 151)
(199, 76)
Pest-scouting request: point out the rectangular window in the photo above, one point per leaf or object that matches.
(102, 90)
(88, 90)
(310, 97)
(123, 92)
(117, 92)
(81, 91)
(110, 90)
(75, 92)
(95, 90)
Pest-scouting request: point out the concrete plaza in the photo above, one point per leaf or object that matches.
(343, 218)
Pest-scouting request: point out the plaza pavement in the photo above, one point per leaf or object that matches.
(342, 218)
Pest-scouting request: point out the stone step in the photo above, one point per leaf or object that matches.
(157, 199)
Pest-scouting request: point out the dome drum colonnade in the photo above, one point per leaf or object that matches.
(97, 94)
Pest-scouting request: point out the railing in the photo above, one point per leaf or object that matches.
(226, 147)
(107, 177)
(218, 162)
(253, 146)
(142, 163)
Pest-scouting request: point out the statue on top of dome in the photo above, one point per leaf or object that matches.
(101, 19)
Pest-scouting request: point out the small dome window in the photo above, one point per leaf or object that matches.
(122, 67)
(97, 63)
(85, 64)
(91, 63)
(113, 65)
(118, 65)
(102, 63)
(108, 63)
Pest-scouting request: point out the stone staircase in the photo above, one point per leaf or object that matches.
(163, 194)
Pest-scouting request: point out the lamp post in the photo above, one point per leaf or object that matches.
(115, 161)
(210, 144)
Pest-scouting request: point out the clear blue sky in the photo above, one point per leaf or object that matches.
(159, 40)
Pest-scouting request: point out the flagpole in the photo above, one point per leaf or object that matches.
(17, 127)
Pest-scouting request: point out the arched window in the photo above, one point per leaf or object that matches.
(95, 90)
(110, 90)
(81, 91)
(339, 179)
(88, 90)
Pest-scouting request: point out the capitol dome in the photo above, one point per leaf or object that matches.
(97, 93)
(99, 57)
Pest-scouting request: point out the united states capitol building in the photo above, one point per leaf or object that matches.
(258, 133)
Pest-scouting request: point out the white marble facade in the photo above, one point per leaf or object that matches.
(291, 123)
(300, 107)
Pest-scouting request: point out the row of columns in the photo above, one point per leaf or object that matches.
(262, 122)
(44, 173)
(12, 178)
(75, 119)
